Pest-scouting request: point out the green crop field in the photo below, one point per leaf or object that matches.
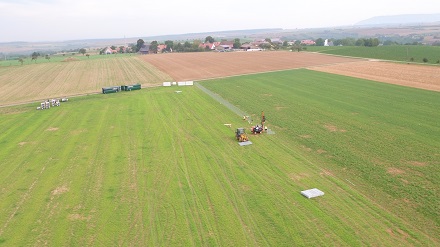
(402, 53)
(160, 168)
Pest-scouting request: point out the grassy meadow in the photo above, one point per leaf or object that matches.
(159, 168)
(382, 136)
(392, 52)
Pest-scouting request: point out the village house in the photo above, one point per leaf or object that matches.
(161, 48)
(145, 49)
(308, 42)
(210, 46)
(109, 50)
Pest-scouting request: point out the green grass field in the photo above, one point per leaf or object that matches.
(159, 168)
(59, 58)
(393, 52)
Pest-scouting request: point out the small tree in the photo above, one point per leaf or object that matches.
(82, 51)
(425, 60)
(34, 56)
(265, 46)
(21, 61)
(298, 48)
(319, 42)
(121, 49)
(47, 57)
(88, 55)
(139, 44)
(186, 44)
(411, 59)
(209, 39)
(153, 46)
(237, 43)
(169, 45)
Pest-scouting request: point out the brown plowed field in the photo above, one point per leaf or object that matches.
(411, 75)
(205, 65)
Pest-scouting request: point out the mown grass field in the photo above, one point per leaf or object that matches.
(58, 79)
(385, 137)
(158, 168)
(392, 52)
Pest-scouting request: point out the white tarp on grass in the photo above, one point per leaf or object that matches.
(181, 83)
(189, 83)
(245, 143)
(312, 193)
(167, 84)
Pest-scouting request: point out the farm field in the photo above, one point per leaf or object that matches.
(390, 52)
(381, 137)
(204, 65)
(39, 81)
(59, 58)
(159, 168)
(411, 75)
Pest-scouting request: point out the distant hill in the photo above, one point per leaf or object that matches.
(400, 19)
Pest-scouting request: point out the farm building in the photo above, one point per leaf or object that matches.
(145, 49)
(250, 47)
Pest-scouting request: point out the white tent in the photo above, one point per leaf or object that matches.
(167, 84)
(312, 193)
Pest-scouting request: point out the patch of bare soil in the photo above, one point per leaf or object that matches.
(305, 136)
(70, 59)
(206, 65)
(78, 217)
(22, 144)
(60, 190)
(326, 173)
(410, 75)
(279, 108)
(52, 129)
(417, 163)
(333, 128)
(298, 176)
(395, 171)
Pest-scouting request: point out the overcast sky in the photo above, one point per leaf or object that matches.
(58, 20)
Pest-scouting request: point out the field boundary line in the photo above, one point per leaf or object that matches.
(67, 96)
(279, 70)
(369, 59)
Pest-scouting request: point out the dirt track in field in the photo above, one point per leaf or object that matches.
(410, 75)
(198, 66)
